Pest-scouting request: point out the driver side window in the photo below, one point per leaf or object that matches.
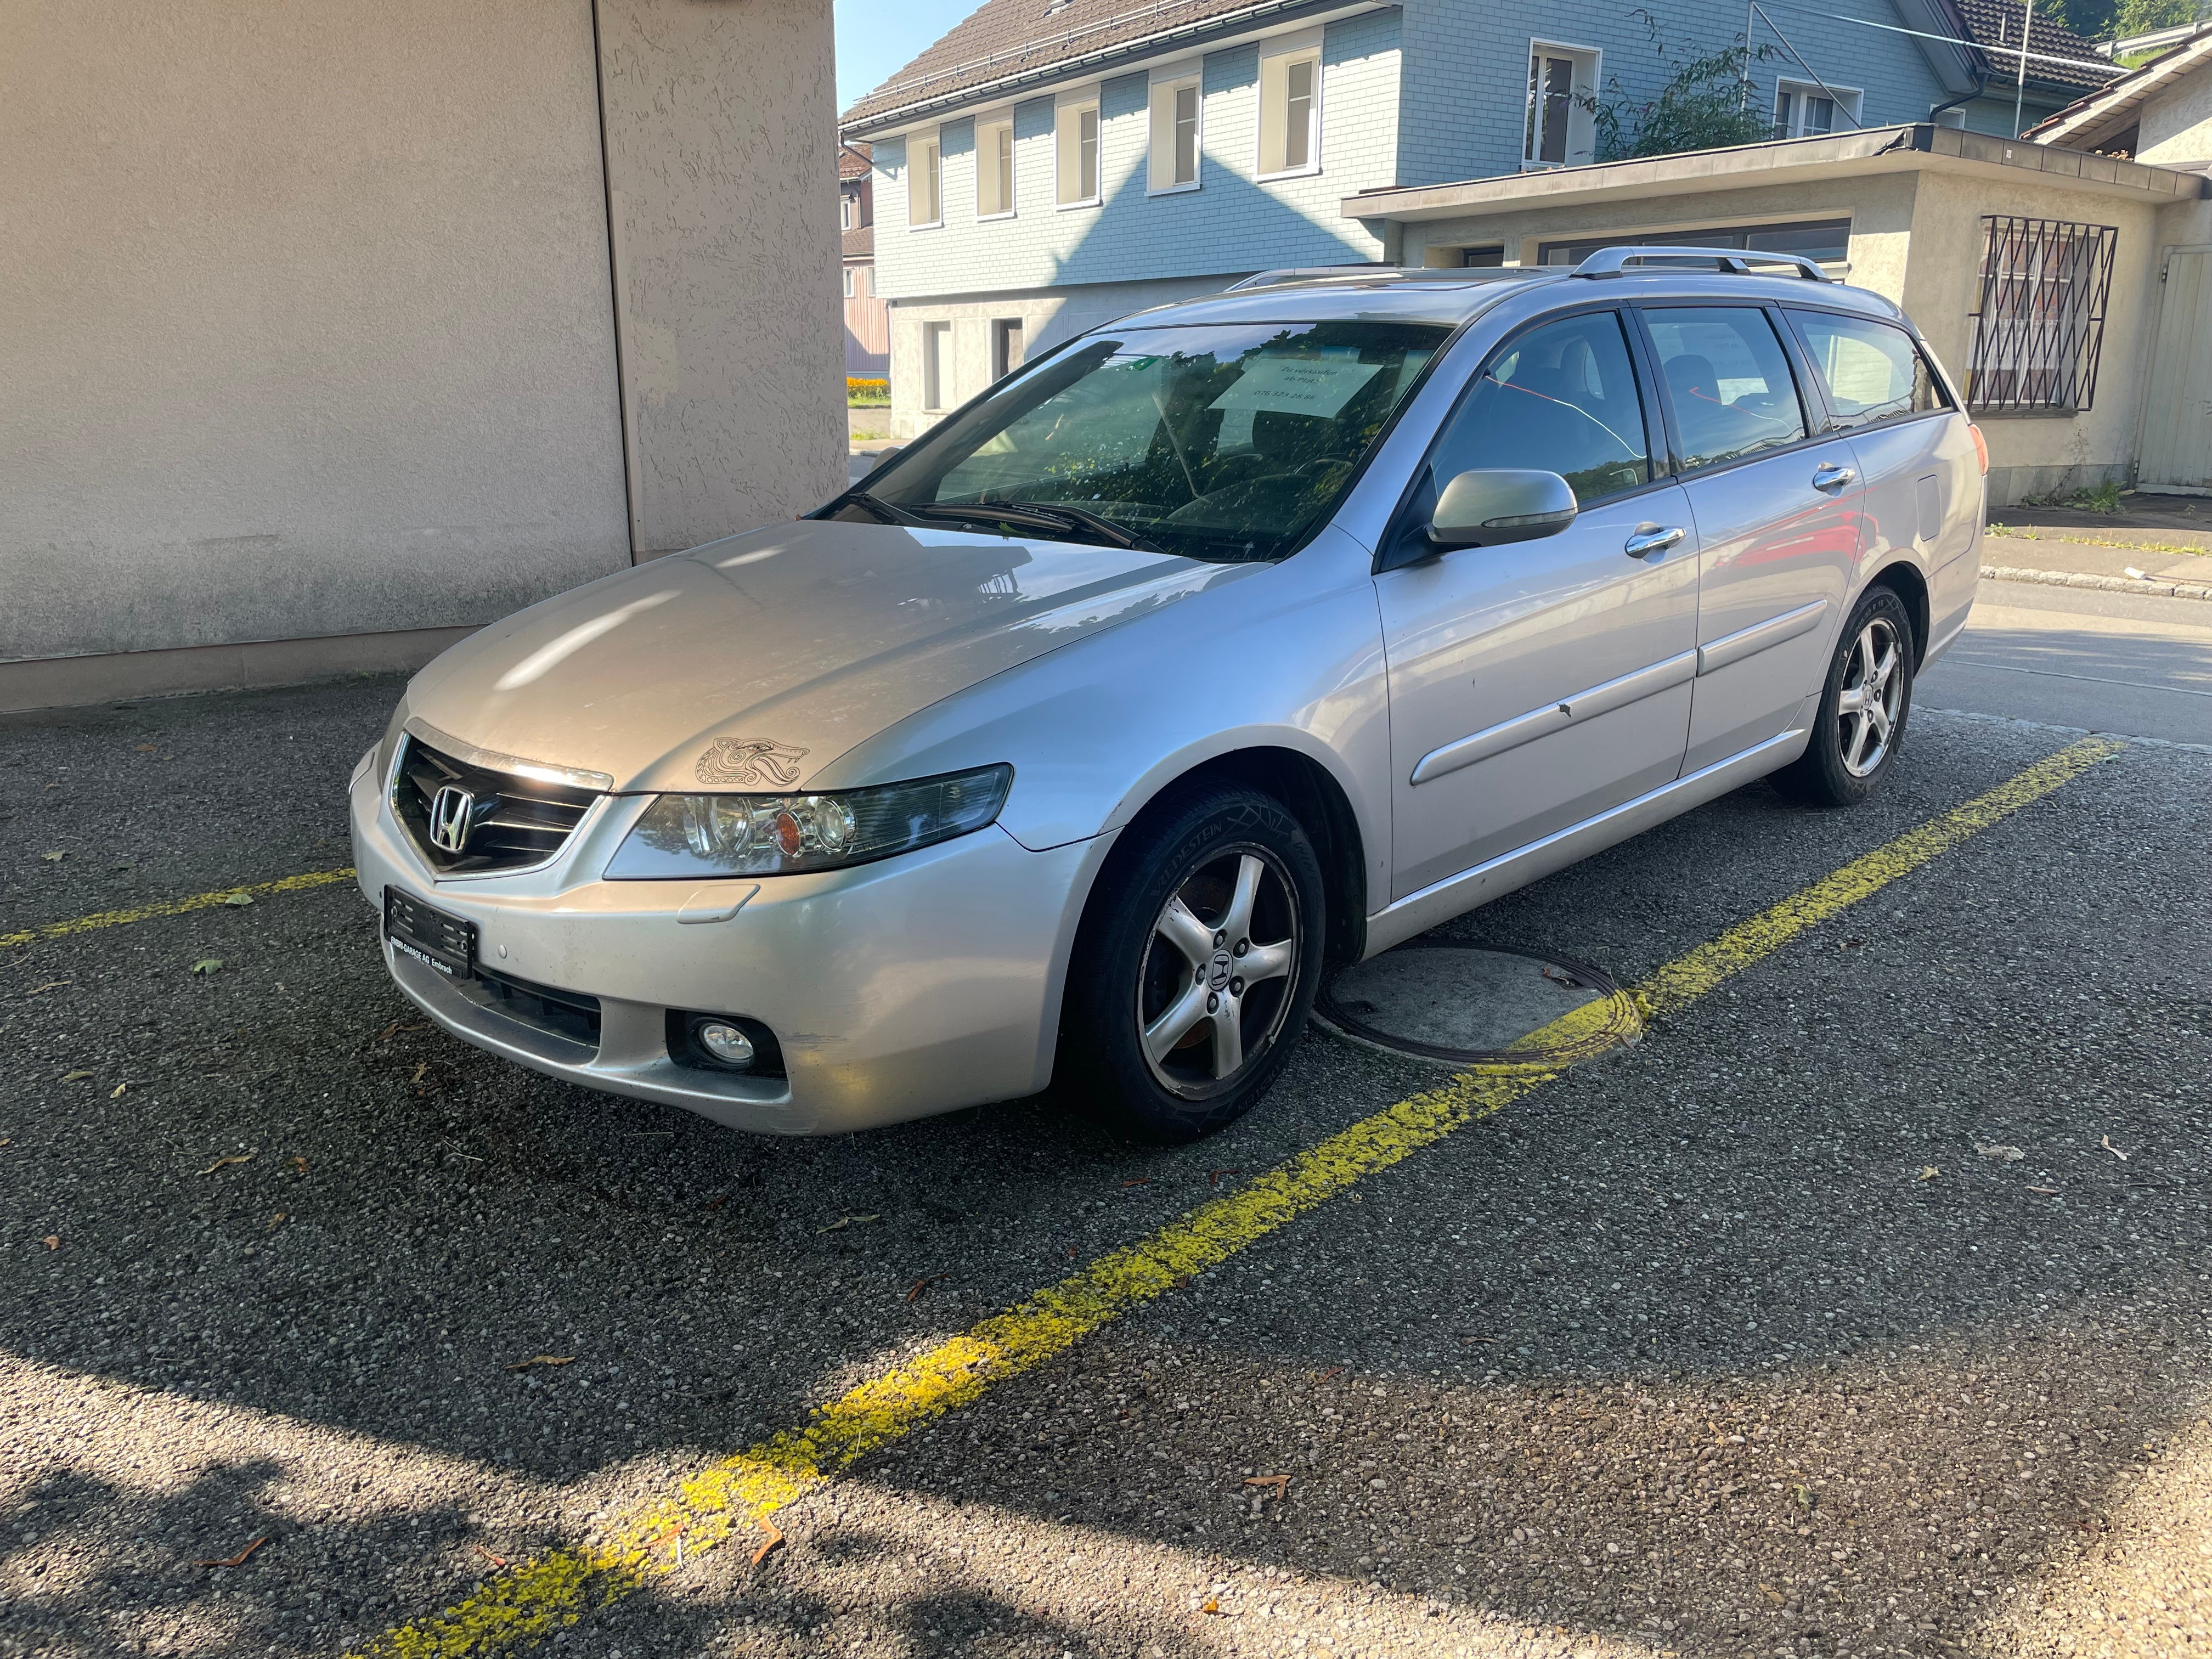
(1562, 398)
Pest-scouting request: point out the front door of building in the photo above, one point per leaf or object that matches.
(2177, 428)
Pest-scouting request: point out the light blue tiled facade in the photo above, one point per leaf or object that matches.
(1427, 92)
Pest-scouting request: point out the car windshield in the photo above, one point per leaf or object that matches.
(1226, 442)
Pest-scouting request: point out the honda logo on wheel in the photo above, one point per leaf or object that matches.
(453, 816)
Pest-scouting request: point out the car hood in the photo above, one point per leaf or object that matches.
(754, 662)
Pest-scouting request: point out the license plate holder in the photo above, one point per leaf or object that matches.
(445, 943)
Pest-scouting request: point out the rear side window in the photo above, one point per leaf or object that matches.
(1728, 380)
(1871, 371)
(1560, 398)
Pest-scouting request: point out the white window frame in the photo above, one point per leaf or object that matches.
(1068, 113)
(939, 365)
(1850, 102)
(1287, 50)
(1582, 122)
(849, 293)
(933, 144)
(986, 126)
(1172, 82)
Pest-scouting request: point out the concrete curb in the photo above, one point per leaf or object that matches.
(2003, 573)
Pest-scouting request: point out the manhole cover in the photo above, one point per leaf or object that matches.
(1468, 1004)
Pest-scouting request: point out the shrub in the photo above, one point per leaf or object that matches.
(867, 394)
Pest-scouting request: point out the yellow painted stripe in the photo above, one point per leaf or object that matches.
(734, 1495)
(178, 907)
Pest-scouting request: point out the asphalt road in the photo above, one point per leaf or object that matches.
(1758, 1337)
(2080, 657)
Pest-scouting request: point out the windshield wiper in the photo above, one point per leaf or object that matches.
(1041, 515)
(883, 509)
(1120, 534)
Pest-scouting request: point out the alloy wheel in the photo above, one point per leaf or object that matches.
(1873, 696)
(1218, 971)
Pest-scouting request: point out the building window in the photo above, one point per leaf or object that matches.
(1805, 111)
(1290, 113)
(994, 167)
(1826, 241)
(925, 181)
(1005, 347)
(936, 365)
(2040, 328)
(849, 282)
(1075, 138)
(1174, 133)
(845, 213)
(1559, 127)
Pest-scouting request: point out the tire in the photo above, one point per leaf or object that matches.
(1166, 1031)
(1854, 737)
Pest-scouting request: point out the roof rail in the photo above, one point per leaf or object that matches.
(1611, 261)
(1367, 273)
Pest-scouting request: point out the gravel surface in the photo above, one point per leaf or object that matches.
(1685, 1353)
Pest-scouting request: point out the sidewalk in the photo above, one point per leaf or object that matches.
(2156, 563)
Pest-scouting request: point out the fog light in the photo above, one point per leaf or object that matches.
(725, 1042)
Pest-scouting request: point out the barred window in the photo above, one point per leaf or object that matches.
(2040, 325)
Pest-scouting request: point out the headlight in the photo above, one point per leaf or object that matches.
(697, 835)
(391, 744)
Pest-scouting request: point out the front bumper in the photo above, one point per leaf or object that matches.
(899, 989)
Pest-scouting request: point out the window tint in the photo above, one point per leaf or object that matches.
(1728, 381)
(1560, 398)
(1871, 371)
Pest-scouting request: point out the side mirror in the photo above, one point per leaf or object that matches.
(1491, 507)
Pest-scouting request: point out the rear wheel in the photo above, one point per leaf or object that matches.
(1196, 965)
(1864, 705)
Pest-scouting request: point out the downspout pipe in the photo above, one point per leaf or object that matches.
(1981, 85)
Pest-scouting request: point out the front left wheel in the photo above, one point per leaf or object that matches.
(1196, 965)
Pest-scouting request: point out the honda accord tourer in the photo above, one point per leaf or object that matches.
(1223, 643)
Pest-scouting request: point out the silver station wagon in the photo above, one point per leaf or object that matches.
(1233, 641)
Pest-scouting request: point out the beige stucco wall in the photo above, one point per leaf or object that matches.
(2176, 126)
(305, 327)
(721, 121)
(2034, 454)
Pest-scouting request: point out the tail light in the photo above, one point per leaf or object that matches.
(1981, 447)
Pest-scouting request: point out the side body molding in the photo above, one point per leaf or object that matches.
(1557, 717)
(1761, 636)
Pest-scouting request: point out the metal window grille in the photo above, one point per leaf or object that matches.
(2040, 325)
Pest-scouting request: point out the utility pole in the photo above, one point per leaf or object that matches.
(2020, 86)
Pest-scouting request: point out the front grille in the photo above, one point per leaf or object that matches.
(569, 1015)
(514, 821)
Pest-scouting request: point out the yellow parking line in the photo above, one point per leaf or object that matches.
(737, 1493)
(172, 907)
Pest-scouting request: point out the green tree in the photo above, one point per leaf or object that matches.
(2142, 16)
(1705, 102)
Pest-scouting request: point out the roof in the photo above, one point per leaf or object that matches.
(1012, 41)
(1992, 23)
(854, 161)
(859, 242)
(2112, 111)
(1922, 146)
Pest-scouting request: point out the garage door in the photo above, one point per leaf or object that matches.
(2176, 431)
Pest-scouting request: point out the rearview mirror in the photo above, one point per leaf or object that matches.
(1493, 506)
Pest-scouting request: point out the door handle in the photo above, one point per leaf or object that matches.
(1651, 539)
(1829, 475)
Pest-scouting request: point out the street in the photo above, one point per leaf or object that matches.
(1861, 1306)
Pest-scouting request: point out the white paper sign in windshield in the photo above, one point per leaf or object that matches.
(1297, 386)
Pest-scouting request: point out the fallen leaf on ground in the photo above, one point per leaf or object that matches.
(2107, 1143)
(1281, 1483)
(7, 1140)
(419, 1070)
(300, 1164)
(387, 1032)
(2008, 1154)
(72, 1077)
(143, 748)
(716, 1202)
(768, 1543)
(496, 1561)
(240, 899)
(1928, 1172)
(2048, 1192)
(921, 1284)
(543, 1359)
(1213, 1176)
(53, 858)
(1774, 1595)
(237, 1560)
(845, 1221)
(118, 1091)
(225, 1163)
(1071, 1252)
(207, 965)
(1212, 1606)
(51, 1241)
(1141, 1180)
(51, 985)
(1334, 1370)
(277, 1220)
(1803, 1494)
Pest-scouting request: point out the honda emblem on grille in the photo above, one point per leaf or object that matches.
(453, 816)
